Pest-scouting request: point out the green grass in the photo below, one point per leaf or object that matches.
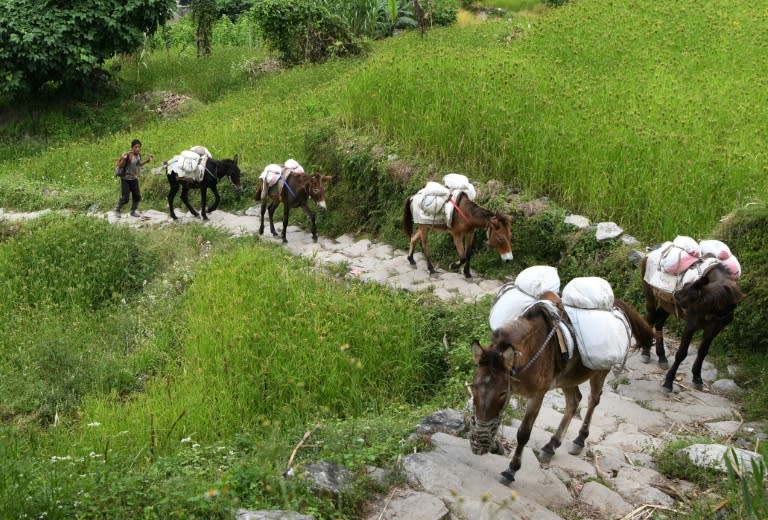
(657, 123)
(184, 396)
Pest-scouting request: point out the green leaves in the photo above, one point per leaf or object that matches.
(62, 44)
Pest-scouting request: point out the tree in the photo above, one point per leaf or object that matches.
(204, 13)
(62, 43)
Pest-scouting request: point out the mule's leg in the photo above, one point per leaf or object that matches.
(262, 210)
(311, 217)
(458, 241)
(412, 245)
(216, 199)
(709, 335)
(272, 207)
(430, 267)
(203, 202)
(523, 434)
(185, 200)
(572, 400)
(682, 352)
(596, 383)
(658, 326)
(286, 212)
(468, 253)
(174, 183)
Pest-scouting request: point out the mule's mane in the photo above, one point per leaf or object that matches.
(492, 358)
(474, 208)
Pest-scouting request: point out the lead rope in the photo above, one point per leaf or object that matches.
(514, 372)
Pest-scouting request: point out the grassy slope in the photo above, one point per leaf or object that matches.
(664, 120)
(150, 471)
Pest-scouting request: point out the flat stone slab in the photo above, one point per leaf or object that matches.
(413, 505)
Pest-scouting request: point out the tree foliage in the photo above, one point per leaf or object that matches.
(304, 30)
(61, 43)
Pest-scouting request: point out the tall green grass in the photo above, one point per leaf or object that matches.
(660, 130)
(187, 399)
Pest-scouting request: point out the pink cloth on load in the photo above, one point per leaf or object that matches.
(733, 266)
(678, 261)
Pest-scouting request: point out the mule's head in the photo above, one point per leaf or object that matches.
(316, 189)
(490, 395)
(232, 170)
(713, 296)
(499, 234)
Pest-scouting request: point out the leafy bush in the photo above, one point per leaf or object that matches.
(304, 30)
(63, 44)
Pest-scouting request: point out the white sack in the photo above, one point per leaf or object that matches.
(512, 298)
(459, 182)
(603, 337)
(715, 248)
(589, 292)
(201, 150)
(271, 174)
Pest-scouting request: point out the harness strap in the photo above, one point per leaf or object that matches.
(287, 186)
(514, 372)
(457, 208)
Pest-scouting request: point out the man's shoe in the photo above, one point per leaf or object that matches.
(135, 213)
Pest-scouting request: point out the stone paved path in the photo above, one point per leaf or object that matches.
(364, 259)
(614, 477)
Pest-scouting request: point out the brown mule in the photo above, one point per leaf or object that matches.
(706, 304)
(467, 218)
(525, 358)
(294, 192)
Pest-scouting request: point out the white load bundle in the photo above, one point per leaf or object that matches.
(715, 248)
(603, 335)
(722, 252)
(271, 174)
(432, 199)
(680, 255)
(201, 150)
(188, 164)
(514, 297)
(459, 182)
(589, 292)
(293, 166)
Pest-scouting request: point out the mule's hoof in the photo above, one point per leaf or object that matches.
(508, 475)
(645, 359)
(545, 457)
(664, 365)
(666, 389)
(575, 449)
(698, 386)
(285, 241)
(411, 261)
(314, 239)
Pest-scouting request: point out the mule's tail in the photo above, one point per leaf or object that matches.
(641, 330)
(258, 190)
(408, 218)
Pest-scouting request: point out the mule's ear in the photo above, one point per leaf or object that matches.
(234, 159)
(477, 351)
(509, 358)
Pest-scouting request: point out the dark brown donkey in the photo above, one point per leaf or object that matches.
(467, 217)
(294, 192)
(524, 358)
(706, 304)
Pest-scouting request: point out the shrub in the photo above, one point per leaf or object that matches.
(304, 30)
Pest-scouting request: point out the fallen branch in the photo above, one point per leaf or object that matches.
(386, 504)
(646, 510)
(298, 446)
